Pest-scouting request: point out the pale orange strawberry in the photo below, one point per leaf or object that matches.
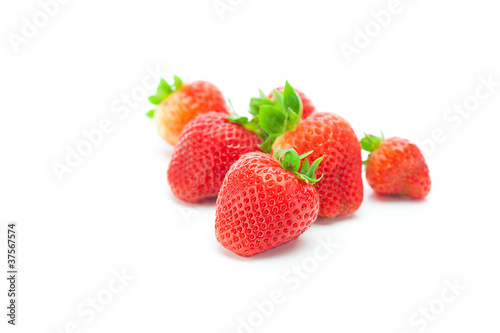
(179, 103)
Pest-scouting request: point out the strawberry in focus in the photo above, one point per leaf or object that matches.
(179, 103)
(207, 147)
(341, 189)
(266, 201)
(396, 166)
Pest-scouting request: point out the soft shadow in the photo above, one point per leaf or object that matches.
(165, 149)
(330, 221)
(394, 198)
(280, 251)
(206, 202)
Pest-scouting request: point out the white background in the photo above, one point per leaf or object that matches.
(115, 210)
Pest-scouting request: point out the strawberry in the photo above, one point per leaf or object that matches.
(341, 190)
(257, 102)
(179, 103)
(207, 147)
(396, 166)
(273, 117)
(266, 201)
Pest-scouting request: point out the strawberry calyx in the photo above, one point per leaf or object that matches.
(257, 102)
(290, 160)
(370, 143)
(272, 118)
(251, 125)
(163, 91)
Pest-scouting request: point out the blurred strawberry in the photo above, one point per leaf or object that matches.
(179, 103)
(396, 166)
(207, 147)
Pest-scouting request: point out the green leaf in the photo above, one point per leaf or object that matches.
(252, 125)
(305, 166)
(292, 103)
(371, 142)
(231, 108)
(235, 119)
(278, 153)
(272, 120)
(177, 83)
(164, 90)
(156, 99)
(306, 154)
(279, 99)
(164, 86)
(267, 145)
(290, 160)
(309, 179)
(314, 166)
(277, 115)
(257, 102)
(292, 120)
(291, 99)
(151, 114)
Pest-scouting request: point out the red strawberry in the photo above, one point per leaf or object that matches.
(207, 147)
(280, 126)
(180, 103)
(396, 166)
(307, 105)
(264, 203)
(341, 189)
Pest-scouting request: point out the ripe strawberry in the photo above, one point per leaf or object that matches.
(396, 166)
(180, 103)
(207, 147)
(341, 190)
(265, 202)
